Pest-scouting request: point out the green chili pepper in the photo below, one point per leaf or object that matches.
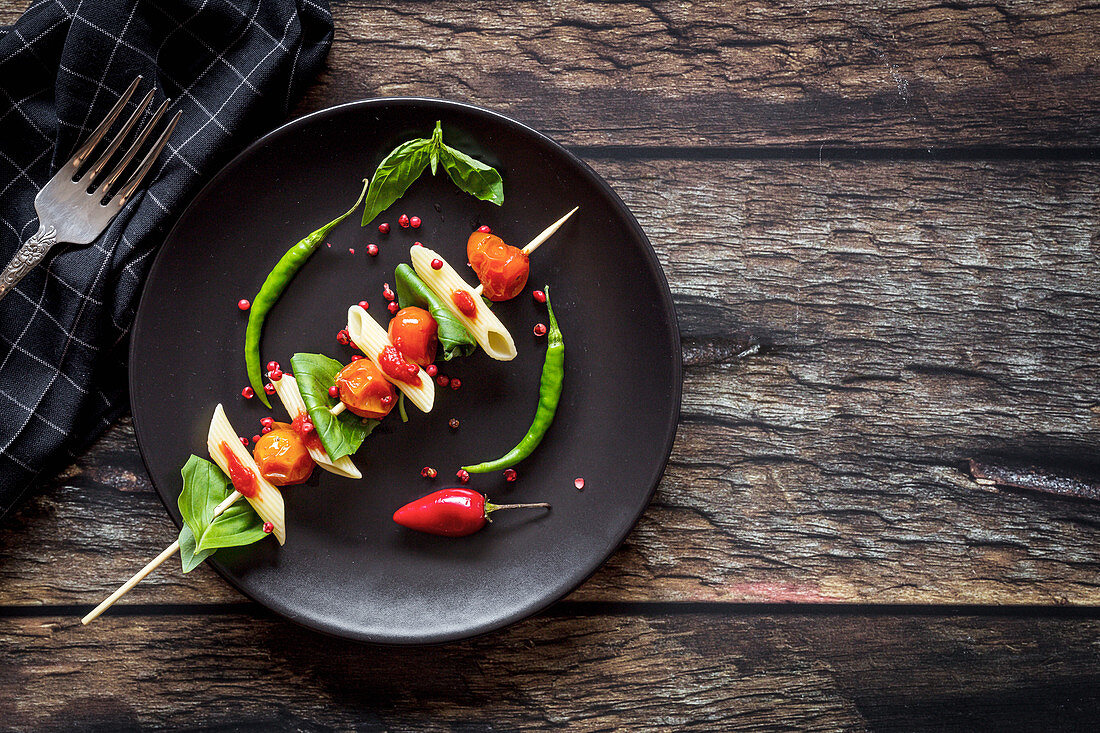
(276, 282)
(553, 371)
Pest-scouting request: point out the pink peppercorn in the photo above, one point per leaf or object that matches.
(351, 250)
(539, 296)
(539, 329)
(356, 357)
(453, 423)
(372, 250)
(442, 380)
(247, 393)
(244, 440)
(393, 307)
(417, 244)
(510, 474)
(383, 228)
(265, 431)
(428, 472)
(456, 383)
(243, 304)
(364, 304)
(432, 370)
(333, 391)
(437, 264)
(255, 438)
(403, 221)
(485, 229)
(343, 337)
(462, 475)
(269, 388)
(414, 222)
(269, 527)
(272, 366)
(267, 422)
(276, 375)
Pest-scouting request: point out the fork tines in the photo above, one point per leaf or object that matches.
(90, 177)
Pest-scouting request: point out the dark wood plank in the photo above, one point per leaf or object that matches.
(911, 315)
(918, 73)
(755, 672)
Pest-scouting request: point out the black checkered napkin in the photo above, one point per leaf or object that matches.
(233, 67)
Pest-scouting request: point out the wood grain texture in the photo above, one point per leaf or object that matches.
(828, 466)
(916, 73)
(756, 672)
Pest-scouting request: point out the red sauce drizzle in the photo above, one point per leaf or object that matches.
(394, 366)
(309, 437)
(242, 477)
(464, 303)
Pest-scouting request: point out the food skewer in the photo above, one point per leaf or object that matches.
(527, 250)
(534, 243)
(139, 576)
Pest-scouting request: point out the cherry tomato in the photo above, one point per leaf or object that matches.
(282, 456)
(414, 332)
(500, 267)
(364, 389)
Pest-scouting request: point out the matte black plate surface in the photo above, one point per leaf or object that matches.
(346, 568)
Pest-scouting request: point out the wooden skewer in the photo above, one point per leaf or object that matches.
(534, 243)
(172, 549)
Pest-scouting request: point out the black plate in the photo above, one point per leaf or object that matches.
(346, 568)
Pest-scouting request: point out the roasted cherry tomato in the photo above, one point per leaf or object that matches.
(364, 389)
(282, 456)
(414, 332)
(500, 267)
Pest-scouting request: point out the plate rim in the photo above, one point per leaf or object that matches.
(650, 256)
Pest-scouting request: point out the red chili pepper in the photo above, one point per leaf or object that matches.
(453, 512)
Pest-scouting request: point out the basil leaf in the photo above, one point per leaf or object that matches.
(437, 143)
(395, 174)
(190, 555)
(453, 336)
(237, 525)
(340, 435)
(472, 176)
(204, 487)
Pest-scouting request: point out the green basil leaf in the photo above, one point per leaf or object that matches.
(472, 176)
(453, 336)
(204, 487)
(395, 174)
(437, 144)
(341, 435)
(237, 525)
(190, 555)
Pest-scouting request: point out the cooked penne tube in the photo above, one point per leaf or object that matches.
(266, 500)
(372, 339)
(287, 389)
(484, 326)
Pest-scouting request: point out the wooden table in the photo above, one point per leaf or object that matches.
(881, 230)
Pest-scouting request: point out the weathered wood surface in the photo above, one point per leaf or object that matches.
(607, 671)
(918, 73)
(827, 467)
(858, 320)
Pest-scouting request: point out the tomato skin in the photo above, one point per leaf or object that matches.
(415, 334)
(501, 268)
(282, 456)
(364, 389)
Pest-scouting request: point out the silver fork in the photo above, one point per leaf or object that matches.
(71, 208)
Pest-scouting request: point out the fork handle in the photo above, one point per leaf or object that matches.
(30, 254)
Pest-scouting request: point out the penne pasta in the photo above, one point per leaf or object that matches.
(267, 502)
(370, 338)
(287, 389)
(485, 327)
